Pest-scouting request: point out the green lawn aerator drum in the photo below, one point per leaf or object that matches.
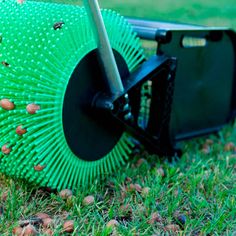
(77, 93)
(48, 62)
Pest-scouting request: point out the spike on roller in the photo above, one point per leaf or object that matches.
(6, 104)
(32, 108)
(5, 149)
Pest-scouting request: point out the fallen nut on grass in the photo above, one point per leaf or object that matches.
(42, 215)
(48, 232)
(4, 196)
(125, 209)
(47, 222)
(6, 104)
(65, 193)
(20, 130)
(135, 187)
(29, 230)
(161, 172)
(128, 180)
(140, 162)
(17, 231)
(155, 217)
(229, 147)
(32, 108)
(68, 226)
(181, 219)
(132, 187)
(145, 191)
(206, 150)
(112, 224)
(5, 149)
(209, 142)
(141, 209)
(172, 228)
(138, 188)
(89, 200)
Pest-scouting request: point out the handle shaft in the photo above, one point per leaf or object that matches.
(104, 47)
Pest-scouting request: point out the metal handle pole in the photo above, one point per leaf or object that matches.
(104, 47)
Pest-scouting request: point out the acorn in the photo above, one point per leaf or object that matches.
(181, 219)
(140, 162)
(89, 200)
(141, 209)
(39, 167)
(145, 191)
(209, 141)
(47, 222)
(17, 231)
(20, 130)
(6, 104)
(132, 187)
(48, 232)
(128, 180)
(138, 188)
(155, 217)
(229, 147)
(42, 215)
(112, 224)
(172, 228)
(5, 149)
(4, 196)
(32, 108)
(29, 230)
(125, 209)
(65, 194)
(161, 172)
(68, 226)
(206, 149)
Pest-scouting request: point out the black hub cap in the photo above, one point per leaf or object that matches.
(90, 133)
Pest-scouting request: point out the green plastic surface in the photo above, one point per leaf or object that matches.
(37, 62)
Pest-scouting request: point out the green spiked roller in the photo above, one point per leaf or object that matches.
(41, 45)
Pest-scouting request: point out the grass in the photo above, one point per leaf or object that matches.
(200, 187)
(212, 13)
(198, 190)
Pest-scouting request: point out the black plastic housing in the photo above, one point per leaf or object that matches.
(205, 84)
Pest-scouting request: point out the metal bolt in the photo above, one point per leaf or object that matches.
(108, 105)
(128, 116)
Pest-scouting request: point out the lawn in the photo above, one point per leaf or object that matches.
(194, 195)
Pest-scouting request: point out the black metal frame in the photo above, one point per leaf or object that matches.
(204, 94)
(156, 137)
(217, 67)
